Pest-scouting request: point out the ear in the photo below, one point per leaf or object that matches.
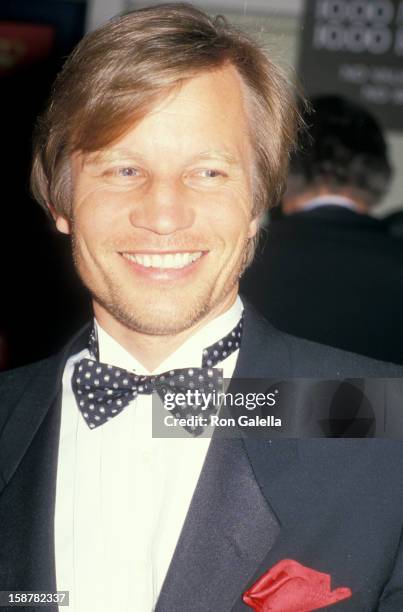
(62, 224)
(254, 226)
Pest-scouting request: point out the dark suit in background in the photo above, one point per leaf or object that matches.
(333, 276)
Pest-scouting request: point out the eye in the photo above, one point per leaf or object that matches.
(209, 173)
(124, 174)
(127, 171)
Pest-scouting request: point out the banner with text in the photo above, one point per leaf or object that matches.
(355, 49)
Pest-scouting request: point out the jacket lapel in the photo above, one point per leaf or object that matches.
(231, 524)
(28, 467)
(227, 533)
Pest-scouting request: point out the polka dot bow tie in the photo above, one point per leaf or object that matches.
(102, 391)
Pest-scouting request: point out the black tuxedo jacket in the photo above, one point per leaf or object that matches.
(332, 276)
(333, 505)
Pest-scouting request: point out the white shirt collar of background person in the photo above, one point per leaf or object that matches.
(330, 200)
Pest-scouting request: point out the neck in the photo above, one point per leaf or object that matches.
(152, 350)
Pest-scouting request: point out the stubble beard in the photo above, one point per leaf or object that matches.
(147, 314)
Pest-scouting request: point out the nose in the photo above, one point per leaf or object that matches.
(164, 209)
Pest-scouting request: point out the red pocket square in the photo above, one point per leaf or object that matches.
(291, 587)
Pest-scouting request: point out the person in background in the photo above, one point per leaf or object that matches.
(329, 271)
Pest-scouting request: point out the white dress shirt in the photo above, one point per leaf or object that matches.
(122, 496)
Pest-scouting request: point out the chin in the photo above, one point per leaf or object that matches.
(156, 317)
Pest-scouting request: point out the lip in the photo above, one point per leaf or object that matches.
(156, 252)
(163, 274)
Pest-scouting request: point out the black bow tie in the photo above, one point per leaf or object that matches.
(102, 391)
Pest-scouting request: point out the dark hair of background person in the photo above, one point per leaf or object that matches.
(342, 147)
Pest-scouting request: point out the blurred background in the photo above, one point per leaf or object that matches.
(347, 48)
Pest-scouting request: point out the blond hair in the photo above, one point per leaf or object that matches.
(119, 71)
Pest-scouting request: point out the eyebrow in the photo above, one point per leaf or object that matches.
(97, 157)
(215, 154)
(102, 156)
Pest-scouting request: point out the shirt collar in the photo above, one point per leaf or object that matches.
(330, 200)
(189, 354)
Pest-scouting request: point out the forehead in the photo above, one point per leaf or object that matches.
(205, 112)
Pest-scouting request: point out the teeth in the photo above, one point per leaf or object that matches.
(170, 260)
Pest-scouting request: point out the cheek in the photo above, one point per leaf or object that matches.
(95, 219)
(234, 228)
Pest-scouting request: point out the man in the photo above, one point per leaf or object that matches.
(166, 136)
(329, 271)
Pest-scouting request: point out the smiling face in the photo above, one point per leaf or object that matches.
(161, 218)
